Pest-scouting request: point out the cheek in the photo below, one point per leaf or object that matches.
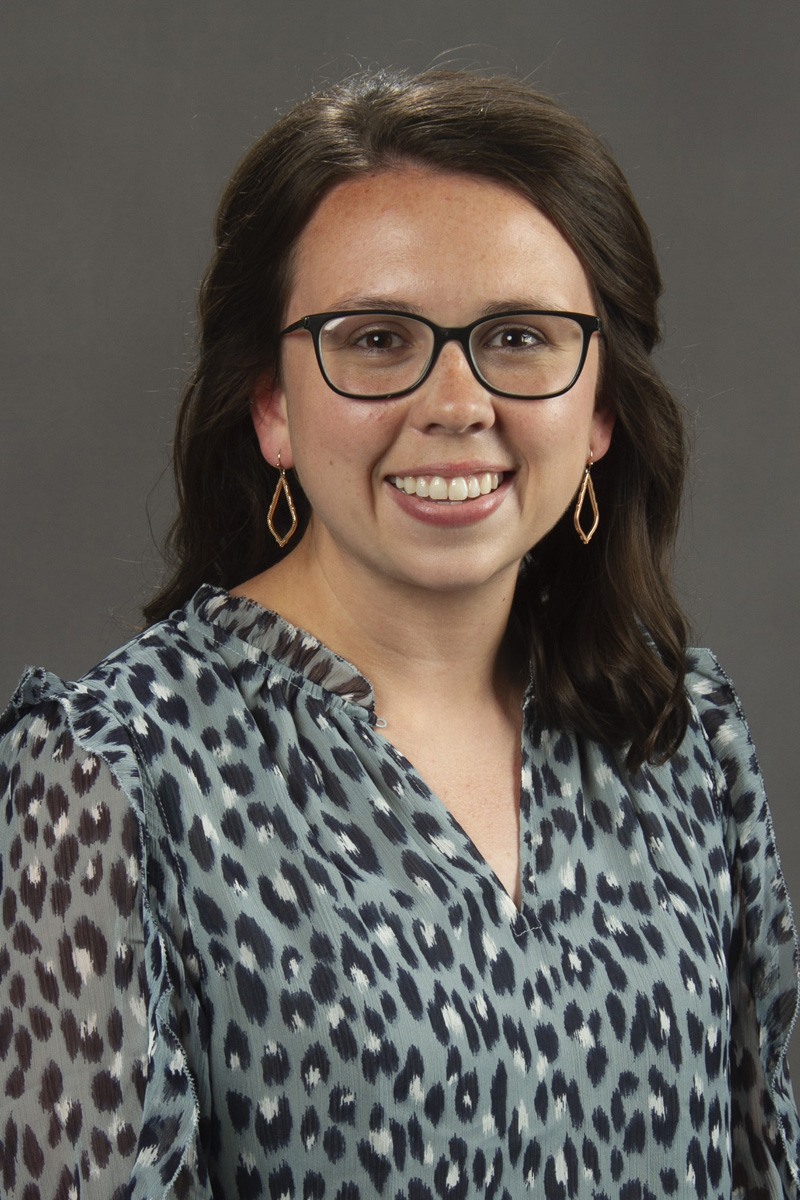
(560, 430)
(336, 441)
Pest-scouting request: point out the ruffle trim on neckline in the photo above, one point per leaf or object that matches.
(171, 1111)
(268, 633)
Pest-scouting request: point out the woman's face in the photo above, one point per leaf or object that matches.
(451, 248)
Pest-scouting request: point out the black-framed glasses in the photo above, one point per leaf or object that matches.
(371, 354)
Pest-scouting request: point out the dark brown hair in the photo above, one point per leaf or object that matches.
(606, 635)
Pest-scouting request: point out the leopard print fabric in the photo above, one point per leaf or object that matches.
(247, 953)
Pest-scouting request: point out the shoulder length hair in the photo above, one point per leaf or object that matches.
(605, 633)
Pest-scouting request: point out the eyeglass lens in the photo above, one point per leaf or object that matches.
(525, 354)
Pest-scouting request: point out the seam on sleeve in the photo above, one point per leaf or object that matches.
(718, 775)
(165, 987)
(774, 1077)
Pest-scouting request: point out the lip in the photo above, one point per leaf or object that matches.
(452, 470)
(451, 516)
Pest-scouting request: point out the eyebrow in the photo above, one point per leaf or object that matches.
(528, 304)
(513, 304)
(381, 303)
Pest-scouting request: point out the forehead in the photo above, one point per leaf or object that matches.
(432, 239)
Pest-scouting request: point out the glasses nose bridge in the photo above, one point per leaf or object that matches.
(442, 335)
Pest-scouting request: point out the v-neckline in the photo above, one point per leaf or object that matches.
(267, 632)
(521, 919)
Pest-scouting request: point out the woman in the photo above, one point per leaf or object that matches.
(426, 861)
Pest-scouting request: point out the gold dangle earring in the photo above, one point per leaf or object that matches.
(587, 487)
(282, 486)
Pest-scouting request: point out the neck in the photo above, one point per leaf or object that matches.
(435, 643)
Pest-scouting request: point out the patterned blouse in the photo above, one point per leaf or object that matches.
(246, 952)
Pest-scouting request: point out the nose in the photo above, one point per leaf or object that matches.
(451, 399)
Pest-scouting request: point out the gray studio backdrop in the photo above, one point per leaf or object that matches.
(122, 120)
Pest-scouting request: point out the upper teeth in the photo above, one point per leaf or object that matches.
(460, 487)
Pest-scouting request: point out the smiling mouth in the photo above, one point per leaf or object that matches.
(452, 491)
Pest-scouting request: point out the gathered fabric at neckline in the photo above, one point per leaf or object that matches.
(273, 636)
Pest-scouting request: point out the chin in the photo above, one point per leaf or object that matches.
(458, 577)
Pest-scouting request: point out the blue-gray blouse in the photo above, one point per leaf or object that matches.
(246, 952)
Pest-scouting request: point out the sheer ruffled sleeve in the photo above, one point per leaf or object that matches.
(96, 1095)
(764, 961)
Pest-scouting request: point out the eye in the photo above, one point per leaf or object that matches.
(379, 339)
(376, 335)
(513, 337)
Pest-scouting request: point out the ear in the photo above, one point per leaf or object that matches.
(602, 428)
(268, 408)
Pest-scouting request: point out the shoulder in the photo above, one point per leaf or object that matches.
(756, 875)
(721, 720)
(140, 721)
(81, 739)
(714, 697)
(122, 708)
(58, 795)
(59, 733)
